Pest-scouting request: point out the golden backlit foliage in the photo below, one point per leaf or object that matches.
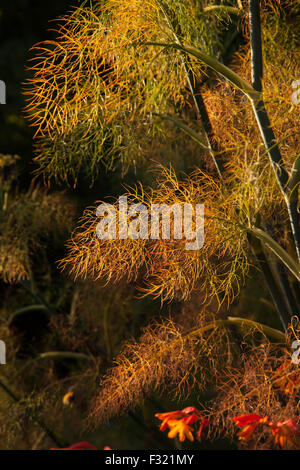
(93, 97)
(246, 196)
(257, 384)
(245, 380)
(30, 220)
(168, 269)
(96, 87)
(166, 357)
(247, 164)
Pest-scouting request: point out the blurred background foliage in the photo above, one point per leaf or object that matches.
(61, 335)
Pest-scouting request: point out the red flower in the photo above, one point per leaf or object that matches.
(78, 446)
(190, 409)
(180, 423)
(165, 417)
(243, 420)
(191, 419)
(284, 432)
(203, 424)
(249, 423)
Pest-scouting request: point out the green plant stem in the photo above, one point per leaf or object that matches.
(277, 335)
(265, 125)
(270, 143)
(270, 244)
(295, 223)
(225, 8)
(286, 287)
(215, 65)
(296, 290)
(53, 355)
(277, 250)
(188, 130)
(273, 333)
(206, 124)
(294, 182)
(29, 308)
(62, 355)
(199, 102)
(255, 44)
(278, 299)
(280, 275)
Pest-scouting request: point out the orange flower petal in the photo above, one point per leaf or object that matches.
(243, 420)
(180, 428)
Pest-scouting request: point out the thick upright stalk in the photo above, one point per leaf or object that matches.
(264, 123)
(274, 289)
(256, 47)
(199, 103)
(270, 143)
(295, 223)
(204, 118)
(287, 290)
